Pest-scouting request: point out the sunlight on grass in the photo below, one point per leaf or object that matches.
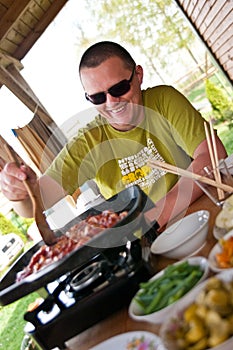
(12, 323)
(225, 135)
(6, 313)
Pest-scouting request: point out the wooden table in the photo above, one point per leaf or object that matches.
(120, 322)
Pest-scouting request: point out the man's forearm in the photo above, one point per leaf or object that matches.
(23, 208)
(177, 199)
(185, 192)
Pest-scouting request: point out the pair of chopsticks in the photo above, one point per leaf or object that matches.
(186, 173)
(211, 142)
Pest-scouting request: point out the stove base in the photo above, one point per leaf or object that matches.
(85, 313)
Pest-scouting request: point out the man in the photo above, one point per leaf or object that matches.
(133, 125)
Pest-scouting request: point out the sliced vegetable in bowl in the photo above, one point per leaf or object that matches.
(155, 298)
(204, 317)
(221, 256)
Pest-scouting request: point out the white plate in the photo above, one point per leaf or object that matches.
(159, 316)
(217, 249)
(122, 342)
(171, 322)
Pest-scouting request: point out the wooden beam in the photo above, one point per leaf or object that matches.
(13, 84)
(14, 11)
(6, 60)
(17, 76)
(42, 25)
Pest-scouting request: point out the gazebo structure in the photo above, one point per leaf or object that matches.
(212, 20)
(24, 21)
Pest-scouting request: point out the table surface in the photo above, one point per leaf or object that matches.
(120, 322)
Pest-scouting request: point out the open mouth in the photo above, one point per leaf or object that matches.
(119, 109)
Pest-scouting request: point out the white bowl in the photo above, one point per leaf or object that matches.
(171, 323)
(184, 238)
(215, 250)
(157, 317)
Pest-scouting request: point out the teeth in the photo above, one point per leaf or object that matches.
(118, 109)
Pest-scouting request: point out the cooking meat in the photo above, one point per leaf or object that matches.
(75, 237)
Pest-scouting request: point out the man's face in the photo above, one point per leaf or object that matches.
(121, 112)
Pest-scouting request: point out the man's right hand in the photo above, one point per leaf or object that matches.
(12, 178)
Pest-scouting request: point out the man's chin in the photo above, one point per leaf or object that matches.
(122, 126)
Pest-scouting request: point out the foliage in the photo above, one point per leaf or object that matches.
(221, 104)
(6, 226)
(156, 29)
(196, 94)
(225, 135)
(15, 224)
(21, 223)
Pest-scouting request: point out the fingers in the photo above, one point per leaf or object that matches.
(11, 180)
(2, 163)
(30, 174)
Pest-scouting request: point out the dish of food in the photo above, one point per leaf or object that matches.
(138, 340)
(221, 256)
(224, 220)
(157, 297)
(203, 319)
(76, 236)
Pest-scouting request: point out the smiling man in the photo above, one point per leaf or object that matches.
(132, 125)
(115, 97)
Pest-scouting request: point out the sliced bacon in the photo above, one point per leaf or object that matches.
(75, 237)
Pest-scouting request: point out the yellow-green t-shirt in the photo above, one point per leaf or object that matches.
(170, 131)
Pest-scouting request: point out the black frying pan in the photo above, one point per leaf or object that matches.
(132, 199)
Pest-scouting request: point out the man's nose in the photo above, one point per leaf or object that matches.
(111, 99)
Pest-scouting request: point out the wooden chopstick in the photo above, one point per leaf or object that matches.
(186, 173)
(11, 154)
(38, 210)
(211, 142)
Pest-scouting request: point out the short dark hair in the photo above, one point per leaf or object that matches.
(101, 51)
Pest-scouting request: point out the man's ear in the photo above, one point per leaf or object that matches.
(139, 73)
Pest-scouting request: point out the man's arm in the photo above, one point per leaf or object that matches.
(185, 191)
(12, 186)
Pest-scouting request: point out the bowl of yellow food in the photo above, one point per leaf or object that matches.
(203, 319)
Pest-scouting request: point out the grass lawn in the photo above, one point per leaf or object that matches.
(12, 322)
(226, 136)
(11, 319)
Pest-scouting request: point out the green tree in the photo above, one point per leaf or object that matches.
(222, 106)
(21, 223)
(155, 27)
(6, 226)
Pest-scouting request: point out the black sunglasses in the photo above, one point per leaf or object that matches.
(116, 90)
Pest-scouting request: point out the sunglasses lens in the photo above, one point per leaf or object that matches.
(96, 99)
(117, 90)
(120, 89)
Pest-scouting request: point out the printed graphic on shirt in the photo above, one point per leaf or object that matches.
(135, 171)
